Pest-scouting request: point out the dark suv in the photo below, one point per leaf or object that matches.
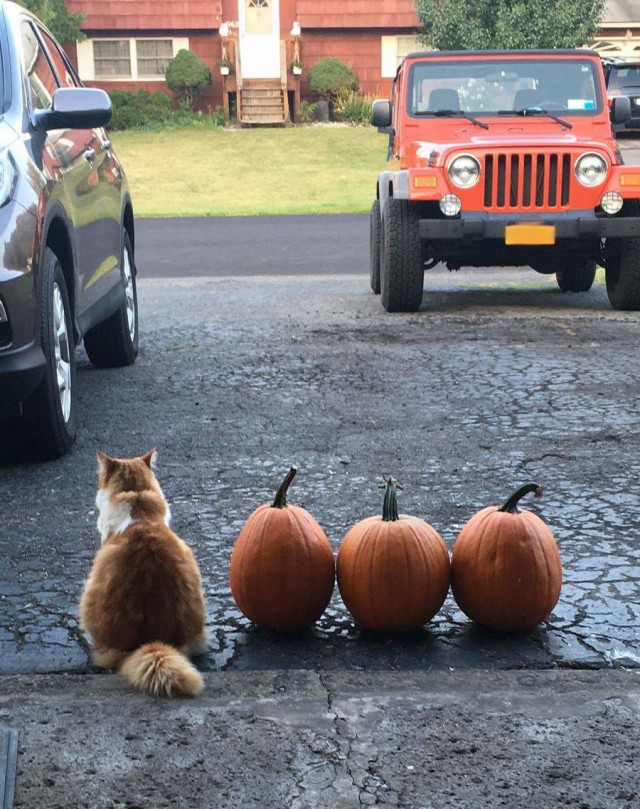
(67, 268)
(623, 79)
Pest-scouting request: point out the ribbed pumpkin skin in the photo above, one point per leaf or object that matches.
(506, 571)
(393, 575)
(282, 570)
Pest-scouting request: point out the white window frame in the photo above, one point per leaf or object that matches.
(392, 55)
(87, 65)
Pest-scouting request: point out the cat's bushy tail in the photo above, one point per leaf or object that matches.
(162, 671)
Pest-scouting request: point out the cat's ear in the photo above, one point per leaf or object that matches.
(105, 463)
(150, 458)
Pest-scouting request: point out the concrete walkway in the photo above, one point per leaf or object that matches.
(301, 740)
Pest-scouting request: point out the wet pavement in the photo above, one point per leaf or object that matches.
(498, 380)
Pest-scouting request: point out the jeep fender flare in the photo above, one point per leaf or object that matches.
(392, 184)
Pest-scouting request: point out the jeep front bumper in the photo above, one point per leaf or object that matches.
(577, 225)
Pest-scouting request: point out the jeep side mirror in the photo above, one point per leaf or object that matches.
(381, 114)
(620, 110)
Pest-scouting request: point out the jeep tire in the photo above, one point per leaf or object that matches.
(577, 276)
(401, 264)
(622, 275)
(375, 228)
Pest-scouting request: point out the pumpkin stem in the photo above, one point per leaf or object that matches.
(390, 502)
(281, 495)
(511, 505)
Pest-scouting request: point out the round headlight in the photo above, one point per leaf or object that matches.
(450, 204)
(611, 202)
(464, 171)
(591, 169)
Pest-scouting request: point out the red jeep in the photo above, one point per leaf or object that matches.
(504, 158)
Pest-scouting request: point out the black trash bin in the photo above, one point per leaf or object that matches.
(322, 111)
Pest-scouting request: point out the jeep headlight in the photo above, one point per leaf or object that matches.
(591, 169)
(464, 171)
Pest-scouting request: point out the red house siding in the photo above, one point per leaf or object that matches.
(361, 50)
(150, 15)
(357, 14)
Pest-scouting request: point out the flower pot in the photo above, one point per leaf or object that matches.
(297, 71)
(224, 71)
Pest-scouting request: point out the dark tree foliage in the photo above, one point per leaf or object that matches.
(53, 13)
(498, 24)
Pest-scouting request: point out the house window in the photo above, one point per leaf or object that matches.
(112, 59)
(127, 59)
(394, 49)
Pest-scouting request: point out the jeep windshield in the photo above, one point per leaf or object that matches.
(487, 87)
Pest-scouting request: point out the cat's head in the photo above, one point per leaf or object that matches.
(127, 474)
(128, 491)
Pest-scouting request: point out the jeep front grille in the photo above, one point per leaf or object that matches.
(534, 181)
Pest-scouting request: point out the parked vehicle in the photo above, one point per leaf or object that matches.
(504, 158)
(622, 77)
(67, 269)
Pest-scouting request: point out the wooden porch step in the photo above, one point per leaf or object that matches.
(262, 102)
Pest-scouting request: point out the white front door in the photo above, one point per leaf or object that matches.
(259, 24)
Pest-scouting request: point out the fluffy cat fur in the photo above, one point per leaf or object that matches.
(142, 603)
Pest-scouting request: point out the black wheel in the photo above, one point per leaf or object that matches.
(401, 264)
(48, 424)
(375, 235)
(576, 277)
(622, 275)
(114, 342)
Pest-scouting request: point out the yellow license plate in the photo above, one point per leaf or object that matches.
(532, 233)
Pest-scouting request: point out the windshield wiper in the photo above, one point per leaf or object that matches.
(537, 111)
(454, 114)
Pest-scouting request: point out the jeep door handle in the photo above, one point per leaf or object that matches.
(89, 155)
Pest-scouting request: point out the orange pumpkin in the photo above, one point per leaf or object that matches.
(505, 567)
(393, 571)
(282, 570)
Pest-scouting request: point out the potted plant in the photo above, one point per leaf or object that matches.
(225, 66)
(296, 67)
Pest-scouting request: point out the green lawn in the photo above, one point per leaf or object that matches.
(230, 172)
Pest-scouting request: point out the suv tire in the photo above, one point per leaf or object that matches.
(622, 275)
(577, 277)
(375, 235)
(401, 264)
(114, 342)
(48, 424)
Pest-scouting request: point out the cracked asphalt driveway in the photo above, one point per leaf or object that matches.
(497, 380)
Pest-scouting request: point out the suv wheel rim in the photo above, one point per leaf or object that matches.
(130, 295)
(62, 352)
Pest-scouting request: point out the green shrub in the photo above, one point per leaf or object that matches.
(138, 109)
(353, 108)
(305, 112)
(330, 77)
(187, 75)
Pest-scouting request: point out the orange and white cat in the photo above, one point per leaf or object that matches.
(142, 603)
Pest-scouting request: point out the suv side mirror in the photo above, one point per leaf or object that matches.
(620, 111)
(75, 108)
(381, 114)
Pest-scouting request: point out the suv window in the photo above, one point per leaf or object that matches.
(42, 81)
(65, 75)
(621, 77)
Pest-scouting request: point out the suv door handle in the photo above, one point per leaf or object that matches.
(89, 155)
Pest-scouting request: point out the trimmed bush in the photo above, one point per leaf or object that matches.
(330, 77)
(187, 75)
(138, 109)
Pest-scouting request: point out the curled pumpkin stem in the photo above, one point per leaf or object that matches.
(281, 495)
(390, 502)
(511, 505)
